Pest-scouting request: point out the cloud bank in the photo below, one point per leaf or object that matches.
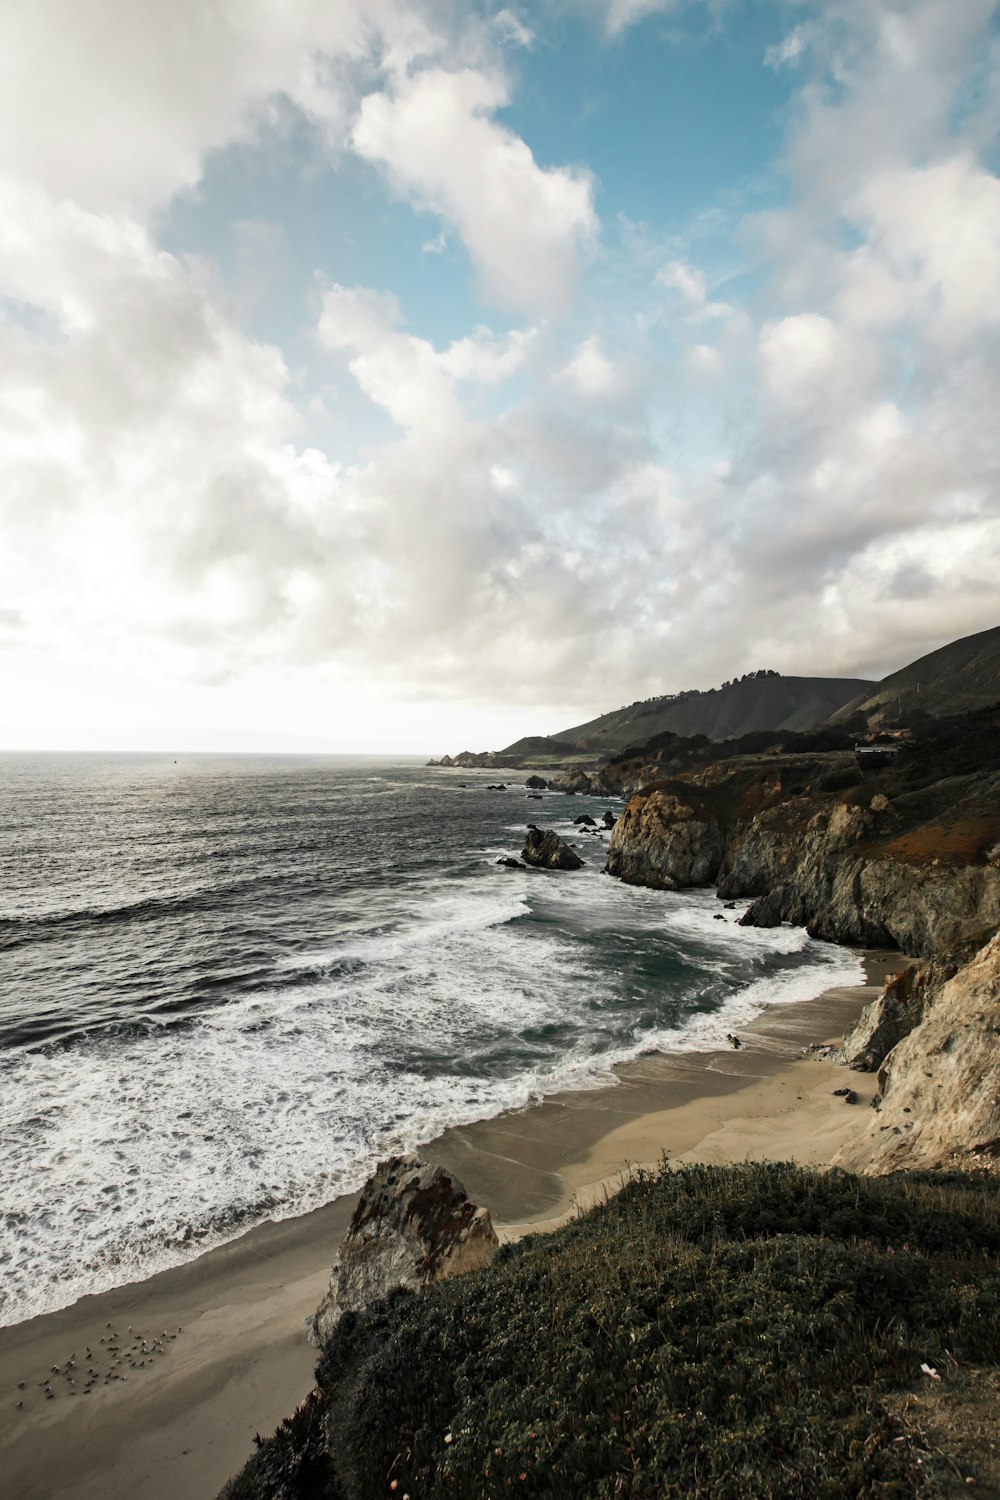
(578, 500)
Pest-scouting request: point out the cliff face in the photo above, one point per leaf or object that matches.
(916, 871)
(939, 1101)
(906, 856)
(669, 838)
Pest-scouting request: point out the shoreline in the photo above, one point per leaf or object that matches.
(239, 1361)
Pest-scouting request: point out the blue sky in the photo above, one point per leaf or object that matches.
(400, 374)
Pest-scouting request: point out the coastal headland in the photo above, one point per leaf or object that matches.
(184, 1419)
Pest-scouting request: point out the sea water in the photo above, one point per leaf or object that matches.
(230, 985)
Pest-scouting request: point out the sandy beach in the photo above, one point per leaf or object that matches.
(225, 1351)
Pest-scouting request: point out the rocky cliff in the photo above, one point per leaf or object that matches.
(939, 1086)
(884, 860)
(906, 855)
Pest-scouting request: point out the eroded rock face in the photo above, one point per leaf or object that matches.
(414, 1225)
(837, 869)
(571, 780)
(917, 874)
(885, 1022)
(548, 851)
(666, 838)
(940, 1085)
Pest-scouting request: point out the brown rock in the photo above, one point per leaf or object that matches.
(668, 837)
(414, 1225)
(940, 1102)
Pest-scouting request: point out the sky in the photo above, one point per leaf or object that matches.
(412, 375)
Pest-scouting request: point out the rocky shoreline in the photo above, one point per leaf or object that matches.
(904, 856)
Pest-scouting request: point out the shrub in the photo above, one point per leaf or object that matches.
(710, 1332)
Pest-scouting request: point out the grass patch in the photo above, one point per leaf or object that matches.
(727, 1333)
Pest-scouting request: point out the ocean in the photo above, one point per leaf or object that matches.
(230, 985)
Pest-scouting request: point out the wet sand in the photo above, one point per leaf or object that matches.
(226, 1353)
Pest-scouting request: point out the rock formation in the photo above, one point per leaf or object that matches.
(413, 1225)
(572, 780)
(548, 851)
(939, 1102)
(890, 1018)
(669, 838)
(902, 855)
(915, 872)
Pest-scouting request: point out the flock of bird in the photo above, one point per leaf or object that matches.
(114, 1358)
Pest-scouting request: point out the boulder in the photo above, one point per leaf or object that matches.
(609, 819)
(413, 1225)
(766, 911)
(536, 783)
(586, 820)
(548, 851)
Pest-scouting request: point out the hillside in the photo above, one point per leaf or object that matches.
(713, 1333)
(958, 678)
(761, 700)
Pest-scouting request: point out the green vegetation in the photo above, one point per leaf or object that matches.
(727, 1333)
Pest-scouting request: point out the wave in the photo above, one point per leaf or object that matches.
(357, 981)
(20, 931)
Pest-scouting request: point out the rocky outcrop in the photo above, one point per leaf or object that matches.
(669, 838)
(939, 1102)
(902, 855)
(536, 784)
(572, 780)
(887, 1020)
(912, 871)
(414, 1225)
(877, 902)
(547, 851)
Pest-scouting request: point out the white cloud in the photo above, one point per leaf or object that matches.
(523, 225)
(406, 375)
(934, 231)
(589, 372)
(805, 360)
(511, 29)
(619, 14)
(789, 50)
(689, 281)
(705, 359)
(151, 496)
(114, 104)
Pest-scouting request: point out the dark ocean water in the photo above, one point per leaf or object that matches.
(229, 985)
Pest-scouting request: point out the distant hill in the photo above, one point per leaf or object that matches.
(956, 679)
(539, 744)
(761, 700)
